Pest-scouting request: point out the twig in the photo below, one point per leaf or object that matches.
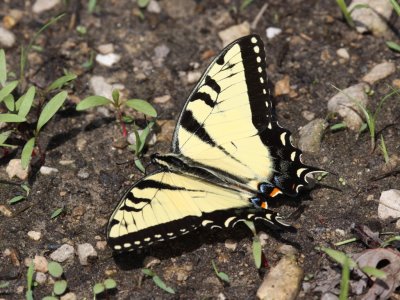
(258, 17)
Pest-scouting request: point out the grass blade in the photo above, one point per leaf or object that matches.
(16, 199)
(27, 153)
(4, 136)
(394, 46)
(58, 83)
(257, 251)
(343, 7)
(7, 89)
(142, 106)
(50, 109)
(223, 276)
(26, 102)
(396, 6)
(11, 118)
(161, 284)
(92, 101)
(344, 282)
(371, 271)
(3, 68)
(9, 102)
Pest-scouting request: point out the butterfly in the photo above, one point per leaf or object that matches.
(229, 158)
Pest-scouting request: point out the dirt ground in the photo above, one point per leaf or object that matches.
(305, 51)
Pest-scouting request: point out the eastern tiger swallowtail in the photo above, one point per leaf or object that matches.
(229, 155)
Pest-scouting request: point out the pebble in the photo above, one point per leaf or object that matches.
(48, 170)
(343, 53)
(193, 76)
(69, 296)
(65, 252)
(101, 245)
(40, 277)
(106, 48)
(282, 282)
(343, 103)
(282, 87)
(389, 204)
(396, 83)
(263, 237)
(83, 174)
(66, 162)
(288, 250)
(374, 18)
(329, 296)
(179, 8)
(108, 60)
(153, 7)
(308, 115)
(86, 253)
(160, 54)
(43, 5)
(81, 144)
(162, 99)
(101, 87)
(379, 72)
(272, 32)
(7, 38)
(340, 232)
(41, 264)
(311, 135)
(234, 32)
(34, 235)
(14, 168)
(231, 244)
(13, 18)
(151, 261)
(5, 211)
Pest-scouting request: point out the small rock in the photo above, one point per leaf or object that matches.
(282, 282)
(340, 232)
(106, 48)
(14, 168)
(179, 8)
(101, 87)
(221, 296)
(308, 115)
(396, 83)
(153, 7)
(231, 244)
(69, 296)
(311, 135)
(34, 235)
(379, 72)
(66, 162)
(81, 144)
(263, 237)
(162, 99)
(160, 53)
(108, 60)
(40, 277)
(288, 250)
(345, 104)
(83, 174)
(272, 32)
(329, 296)
(151, 261)
(343, 53)
(150, 140)
(101, 245)
(5, 211)
(193, 76)
(86, 253)
(282, 87)
(374, 17)
(7, 38)
(41, 264)
(65, 252)
(389, 204)
(43, 5)
(47, 170)
(234, 32)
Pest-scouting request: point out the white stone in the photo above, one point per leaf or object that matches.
(160, 53)
(379, 72)
(153, 7)
(311, 135)
(101, 87)
(40, 277)
(43, 5)
(14, 168)
(34, 235)
(343, 53)
(162, 99)
(41, 264)
(69, 296)
(234, 32)
(108, 60)
(48, 170)
(230, 244)
(106, 48)
(7, 38)
(272, 32)
(193, 76)
(86, 252)
(65, 252)
(389, 204)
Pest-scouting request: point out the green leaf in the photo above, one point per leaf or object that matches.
(139, 165)
(58, 83)
(144, 135)
(16, 199)
(55, 269)
(26, 188)
(110, 284)
(338, 256)
(245, 3)
(91, 6)
(371, 271)
(26, 102)
(50, 109)
(161, 284)
(11, 118)
(92, 101)
(148, 272)
(50, 298)
(143, 3)
(394, 46)
(57, 212)
(27, 153)
(338, 126)
(4, 136)
(7, 89)
(142, 106)
(115, 96)
(257, 252)
(223, 276)
(3, 68)
(251, 226)
(396, 6)
(4, 284)
(29, 276)
(98, 288)
(9, 102)
(345, 280)
(343, 7)
(60, 287)
(390, 241)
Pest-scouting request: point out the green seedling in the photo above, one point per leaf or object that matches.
(143, 3)
(245, 4)
(256, 246)
(383, 148)
(60, 285)
(29, 282)
(347, 12)
(390, 241)
(393, 45)
(92, 6)
(19, 198)
(57, 212)
(221, 275)
(104, 287)
(157, 280)
(338, 126)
